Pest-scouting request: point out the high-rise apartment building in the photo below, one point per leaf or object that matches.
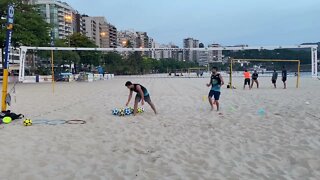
(102, 38)
(215, 55)
(127, 38)
(91, 29)
(113, 42)
(203, 58)
(166, 53)
(142, 40)
(100, 31)
(59, 14)
(79, 24)
(191, 55)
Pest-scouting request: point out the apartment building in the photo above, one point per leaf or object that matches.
(127, 38)
(191, 55)
(59, 14)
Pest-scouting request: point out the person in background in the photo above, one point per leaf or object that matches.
(255, 76)
(284, 77)
(274, 78)
(246, 79)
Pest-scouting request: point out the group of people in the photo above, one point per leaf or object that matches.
(255, 76)
(142, 94)
(216, 81)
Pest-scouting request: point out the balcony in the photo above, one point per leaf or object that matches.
(60, 10)
(60, 14)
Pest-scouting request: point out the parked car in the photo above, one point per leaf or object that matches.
(62, 77)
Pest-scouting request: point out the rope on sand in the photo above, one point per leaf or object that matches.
(313, 115)
(76, 121)
(40, 121)
(56, 122)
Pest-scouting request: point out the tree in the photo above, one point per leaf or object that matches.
(65, 57)
(29, 27)
(86, 57)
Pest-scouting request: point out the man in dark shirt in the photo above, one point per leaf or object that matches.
(254, 77)
(274, 78)
(216, 81)
(142, 95)
(284, 77)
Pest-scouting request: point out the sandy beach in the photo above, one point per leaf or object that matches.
(263, 133)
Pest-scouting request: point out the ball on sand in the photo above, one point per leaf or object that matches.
(140, 110)
(115, 111)
(6, 120)
(27, 122)
(127, 111)
(121, 112)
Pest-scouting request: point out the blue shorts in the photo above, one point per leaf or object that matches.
(215, 94)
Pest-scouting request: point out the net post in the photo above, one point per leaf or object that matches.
(52, 71)
(298, 75)
(230, 76)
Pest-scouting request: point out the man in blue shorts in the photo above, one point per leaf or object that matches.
(142, 95)
(216, 81)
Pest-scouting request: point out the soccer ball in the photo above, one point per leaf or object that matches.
(140, 110)
(27, 122)
(121, 112)
(131, 109)
(127, 111)
(115, 111)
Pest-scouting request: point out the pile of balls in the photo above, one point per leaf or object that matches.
(125, 111)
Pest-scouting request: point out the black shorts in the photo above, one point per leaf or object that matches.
(215, 94)
(273, 81)
(247, 81)
(284, 79)
(254, 79)
(146, 98)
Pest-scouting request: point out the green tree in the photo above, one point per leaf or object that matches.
(65, 57)
(90, 58)
(114, 63)
(29, 27)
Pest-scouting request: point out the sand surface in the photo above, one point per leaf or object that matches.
(262, 134)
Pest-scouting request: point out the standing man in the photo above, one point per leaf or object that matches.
(246, 79)
(216, 81)
(274, 78)
(142, 95)
(284, 77)
(255, 76)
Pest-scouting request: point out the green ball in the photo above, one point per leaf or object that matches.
(6, 120)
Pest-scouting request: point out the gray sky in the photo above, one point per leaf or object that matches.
(228, 22)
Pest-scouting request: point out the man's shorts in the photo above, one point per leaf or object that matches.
(146, 98)
(215, 94)
(284, 79)
(247, 81)
(273, 81)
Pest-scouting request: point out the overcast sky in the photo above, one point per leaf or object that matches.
(228, 22)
